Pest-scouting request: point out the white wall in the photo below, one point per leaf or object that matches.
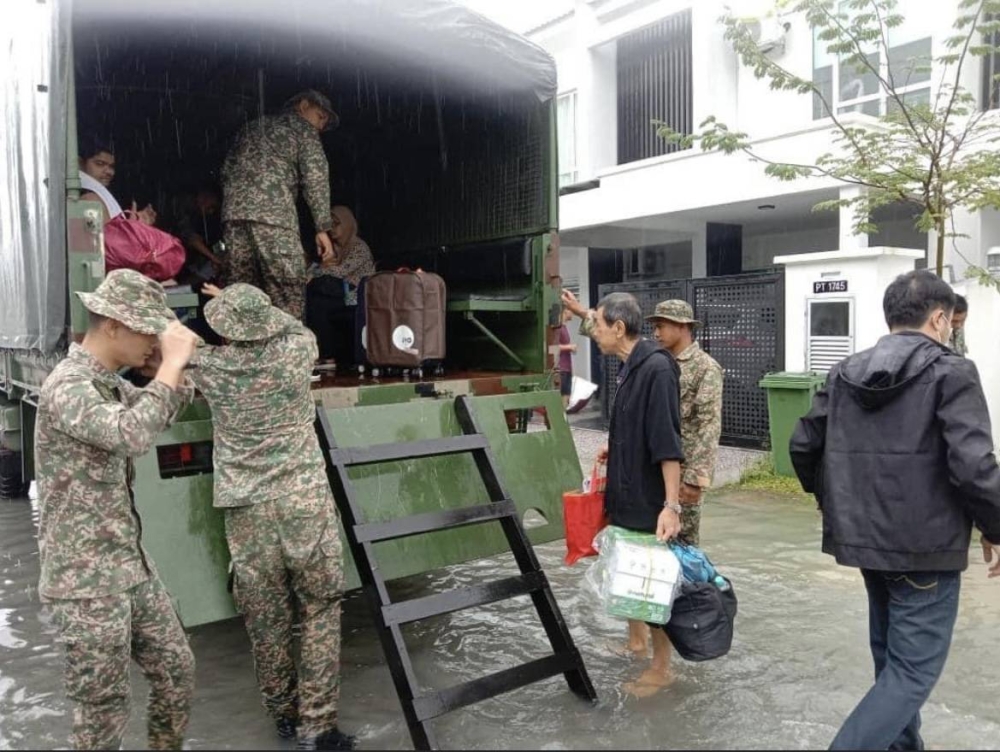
(715, 75)
(692, 180)
(763, 112)
(867, 272)
(981, 329)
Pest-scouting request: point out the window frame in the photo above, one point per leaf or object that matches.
(840, 107)
(573, 173)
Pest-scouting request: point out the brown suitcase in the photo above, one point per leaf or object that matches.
(405, 318)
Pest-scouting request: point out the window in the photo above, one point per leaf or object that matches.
(653, 70)
(850, 88)
(830, 330)
(566, 128)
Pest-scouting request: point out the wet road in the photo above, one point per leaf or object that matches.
(798, 665)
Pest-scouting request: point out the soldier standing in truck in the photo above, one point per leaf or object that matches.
(273, 159)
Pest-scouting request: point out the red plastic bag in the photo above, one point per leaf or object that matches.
(583, 516)
(131, 244)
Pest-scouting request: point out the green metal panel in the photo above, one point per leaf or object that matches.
(85, 261)
(183, 533)
(186, 538)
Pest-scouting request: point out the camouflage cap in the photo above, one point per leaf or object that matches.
(320, 100)
(678, 311)
(132, 299)
(243, 313)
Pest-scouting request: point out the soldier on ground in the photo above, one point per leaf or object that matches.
(281, 523)
(701, 419)
(957, 341)
(272, 160)
(107, 600)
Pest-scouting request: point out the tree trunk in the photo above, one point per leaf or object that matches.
(940, 249)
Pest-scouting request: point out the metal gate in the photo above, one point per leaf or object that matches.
(743, 325)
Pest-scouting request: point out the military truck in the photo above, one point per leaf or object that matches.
(447, 153)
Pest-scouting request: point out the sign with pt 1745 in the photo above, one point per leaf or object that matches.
(830, 285)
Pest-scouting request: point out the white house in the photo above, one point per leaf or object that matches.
(629, 208)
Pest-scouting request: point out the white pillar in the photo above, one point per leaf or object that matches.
(848, 240)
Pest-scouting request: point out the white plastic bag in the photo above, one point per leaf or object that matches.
(635, 575)
(580, 394)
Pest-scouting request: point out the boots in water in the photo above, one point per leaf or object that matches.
(332, 739)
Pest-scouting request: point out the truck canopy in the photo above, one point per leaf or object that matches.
(453, 72)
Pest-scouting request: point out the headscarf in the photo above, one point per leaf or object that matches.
(345, 217)
(352, 257)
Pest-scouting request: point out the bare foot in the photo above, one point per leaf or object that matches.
(627, 649)
(649, 683)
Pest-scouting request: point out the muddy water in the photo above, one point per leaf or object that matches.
(798, 665)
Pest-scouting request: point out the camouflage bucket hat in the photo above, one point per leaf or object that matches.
(243, 313)
(131, 298)
(320, 100)
(678, 311)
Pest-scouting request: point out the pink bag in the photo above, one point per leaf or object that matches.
(131, 244)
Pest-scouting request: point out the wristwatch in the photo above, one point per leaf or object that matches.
(673, 506)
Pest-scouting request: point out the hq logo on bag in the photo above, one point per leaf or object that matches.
(404, 339)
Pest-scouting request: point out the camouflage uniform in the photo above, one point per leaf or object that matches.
(701, 426)
(701, 411)
(107, 598)
(272, 158)
(281, 523)
(957, 343)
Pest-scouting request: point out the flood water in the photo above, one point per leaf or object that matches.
(798, 665)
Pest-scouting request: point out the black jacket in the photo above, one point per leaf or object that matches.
(645, 430)
(898, 450)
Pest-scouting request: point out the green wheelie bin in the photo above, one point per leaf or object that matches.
(789, 397)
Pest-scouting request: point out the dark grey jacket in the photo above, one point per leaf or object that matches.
(899, 452)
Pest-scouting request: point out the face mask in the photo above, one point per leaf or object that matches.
(945, 332)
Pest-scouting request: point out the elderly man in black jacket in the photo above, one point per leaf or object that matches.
(898, 451)
(644, 438)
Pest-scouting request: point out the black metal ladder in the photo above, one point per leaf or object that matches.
(419, 710)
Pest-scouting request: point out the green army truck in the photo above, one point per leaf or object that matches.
(447, 153)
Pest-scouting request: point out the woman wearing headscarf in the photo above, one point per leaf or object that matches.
(333, 286)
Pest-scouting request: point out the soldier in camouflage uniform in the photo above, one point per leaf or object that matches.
(106, 597)
(281, 523)
(272, 160)
(958, 317)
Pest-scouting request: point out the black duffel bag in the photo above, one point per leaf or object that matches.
(701, 621)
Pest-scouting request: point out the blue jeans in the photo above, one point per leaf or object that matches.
(911, 618)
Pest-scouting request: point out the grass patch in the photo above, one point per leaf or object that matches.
(764, 478)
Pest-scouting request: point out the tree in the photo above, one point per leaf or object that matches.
(941, 155)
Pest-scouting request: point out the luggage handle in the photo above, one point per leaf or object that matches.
(408, 270)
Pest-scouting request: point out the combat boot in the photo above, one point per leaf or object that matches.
(286, 727)
(332, 739)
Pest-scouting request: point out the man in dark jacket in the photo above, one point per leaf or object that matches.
(898, 451)
(644, 440)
